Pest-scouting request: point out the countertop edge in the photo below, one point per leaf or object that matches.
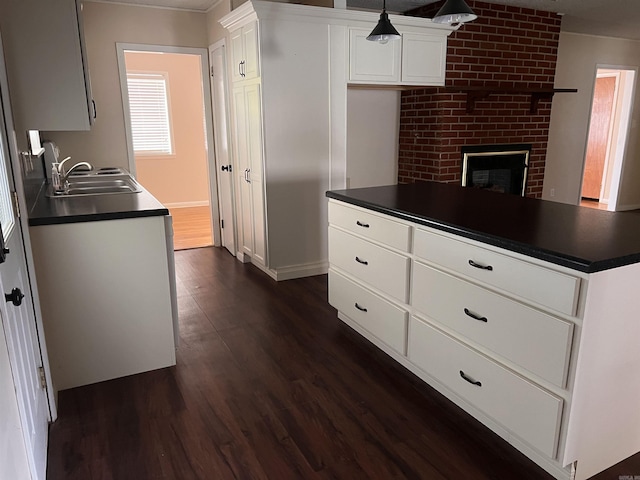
(573, 263)
(96, 217)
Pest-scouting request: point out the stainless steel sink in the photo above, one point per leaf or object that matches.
(83, 185)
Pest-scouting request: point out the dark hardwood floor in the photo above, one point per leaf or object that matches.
(269, 384)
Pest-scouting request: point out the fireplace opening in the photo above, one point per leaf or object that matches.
(499, 168)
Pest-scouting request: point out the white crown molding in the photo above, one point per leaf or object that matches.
(139, 5)
(260, 9)
(215, 5)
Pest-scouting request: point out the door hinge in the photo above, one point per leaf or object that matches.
(16, 204)
(212, 71)
(43, 378)
(221, 223)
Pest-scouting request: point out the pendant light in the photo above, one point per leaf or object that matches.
(384, 31)
(454, 12)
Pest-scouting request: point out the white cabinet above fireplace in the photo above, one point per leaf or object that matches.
(415, 59)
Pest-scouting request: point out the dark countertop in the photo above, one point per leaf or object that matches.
(580, 238)
(91, 208)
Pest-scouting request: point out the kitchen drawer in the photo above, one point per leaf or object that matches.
(530, 338)
(386, 321)
(370, 225)
(522, 407)
(381, 268)
(549, 288)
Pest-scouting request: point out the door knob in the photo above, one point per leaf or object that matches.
(14, 297)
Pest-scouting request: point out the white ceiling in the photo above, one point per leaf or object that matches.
(619, 18)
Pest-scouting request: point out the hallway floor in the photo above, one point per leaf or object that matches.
(269, 384)
(191, 227)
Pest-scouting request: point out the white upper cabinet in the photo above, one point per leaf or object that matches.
(46, 64)
(415, 59)
(424, 59)
(372, 62)
(244, 53)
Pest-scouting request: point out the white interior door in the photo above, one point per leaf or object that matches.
(18, 320)
(24, 354)
(223, 156)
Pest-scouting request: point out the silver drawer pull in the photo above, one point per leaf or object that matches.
(481, 267)
(363, 262)
(362, 309)
(363, 225)
(475, 316)
(470, 380)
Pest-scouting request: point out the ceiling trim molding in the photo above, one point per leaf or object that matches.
(129, 4)
(215, 5)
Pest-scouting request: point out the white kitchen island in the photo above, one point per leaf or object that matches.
(521, 311)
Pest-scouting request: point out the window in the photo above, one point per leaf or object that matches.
(149, 109)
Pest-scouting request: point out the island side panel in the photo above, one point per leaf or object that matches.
(604, 422)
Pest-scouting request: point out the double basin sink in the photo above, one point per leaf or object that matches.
(104, 181)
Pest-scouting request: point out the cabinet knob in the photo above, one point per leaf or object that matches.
(14, 297)
(363, 225)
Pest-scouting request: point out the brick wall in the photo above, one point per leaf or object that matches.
(506, 47)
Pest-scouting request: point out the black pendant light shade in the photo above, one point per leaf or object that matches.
(384, 31)
(453, 12)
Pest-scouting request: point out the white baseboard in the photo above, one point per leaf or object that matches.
(202, 203)
(622, 208)
(287, 273)
(300, 271)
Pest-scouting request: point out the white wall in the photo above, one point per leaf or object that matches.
(13, 456)
(578, 58)
(373, 122)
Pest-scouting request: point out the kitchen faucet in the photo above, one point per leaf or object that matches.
(59, 179)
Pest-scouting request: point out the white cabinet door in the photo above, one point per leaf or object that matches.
(237, 55)
(244, 53)
(47, 67)
(250, 39)
(254, 141)
(248, 154)
(240, 151)
(373, 62)
(424, 59)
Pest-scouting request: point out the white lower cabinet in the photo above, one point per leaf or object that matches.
(537, 341)
(384, 319)
(519, 405)
(105, 288)
(490, 330)
(372, 264)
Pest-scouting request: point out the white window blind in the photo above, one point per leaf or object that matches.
(150, 122)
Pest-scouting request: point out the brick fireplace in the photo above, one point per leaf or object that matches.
(495, 65)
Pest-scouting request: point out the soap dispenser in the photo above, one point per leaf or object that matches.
(56, 181)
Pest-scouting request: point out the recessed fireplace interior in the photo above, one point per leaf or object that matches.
(499, 168)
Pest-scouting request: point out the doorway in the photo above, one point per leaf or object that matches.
(607, 138)
(167, 107)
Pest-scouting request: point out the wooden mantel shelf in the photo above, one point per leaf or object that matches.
(537, 94)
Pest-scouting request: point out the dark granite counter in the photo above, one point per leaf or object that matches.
(580, 238)
(90, 208)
